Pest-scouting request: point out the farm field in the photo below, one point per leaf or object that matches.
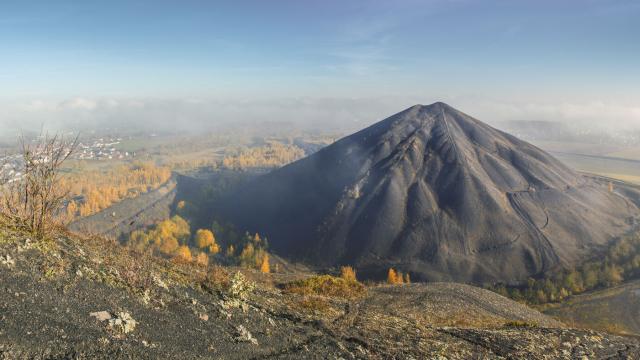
(628, 153)
(583, 148)
(610, 160)
(621, 169)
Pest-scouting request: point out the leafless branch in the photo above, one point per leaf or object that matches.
(34, 200)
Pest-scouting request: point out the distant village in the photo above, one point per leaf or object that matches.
(10, 166)
(103, 148)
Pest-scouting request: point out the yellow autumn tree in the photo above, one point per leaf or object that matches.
(169, 245)
(165, 230)
(272, 155)
(170, 233)
(183, 253)
(204, 238)
(247, 255)
(138, 240)
(399, 277)
(72, 210)
(407, 278)
(182, 229)
(264, 268)
(258, 256)
(100, 189)
(392, 277)
(348, 274)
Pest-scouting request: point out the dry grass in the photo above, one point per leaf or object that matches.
(327, 285)
(520, 324)
(218, 278)
(103, 259)
(314, 303)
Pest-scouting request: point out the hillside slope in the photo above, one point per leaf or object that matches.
(75, 297)
(131, 213)
(610, 309)
(438, 194)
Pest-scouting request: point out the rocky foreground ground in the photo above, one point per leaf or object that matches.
(73, 297)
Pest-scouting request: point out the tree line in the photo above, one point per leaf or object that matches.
(274, 154)
(621, 262)
(173, 238)
(93, 191)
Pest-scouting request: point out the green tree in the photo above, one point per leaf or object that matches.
(573, 282)
(590, 278)
(611, 275)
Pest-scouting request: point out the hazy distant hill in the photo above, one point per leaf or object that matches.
(590, 133)
(437, 193)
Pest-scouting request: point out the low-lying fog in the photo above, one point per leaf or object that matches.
(595, 122)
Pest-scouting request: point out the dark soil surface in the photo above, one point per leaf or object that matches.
(439, 195)
(49, 289)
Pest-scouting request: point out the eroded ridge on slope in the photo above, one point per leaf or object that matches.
(438, 194)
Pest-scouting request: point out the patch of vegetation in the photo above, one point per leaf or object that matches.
(46, 246)
(218, 278)
(327, 285)
(240, 288)
(273, 154)
(615, 329)
(621, 262)
(4, 236)
(396, 277)
(93, 191)
(348, 274)
(520, 324)
(172, 238)
(53, 271)
(254, 252)
(314, 303)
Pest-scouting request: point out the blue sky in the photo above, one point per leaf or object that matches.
(516, 54)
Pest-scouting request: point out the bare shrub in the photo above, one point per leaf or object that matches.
(218, 277)
(33, 201)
